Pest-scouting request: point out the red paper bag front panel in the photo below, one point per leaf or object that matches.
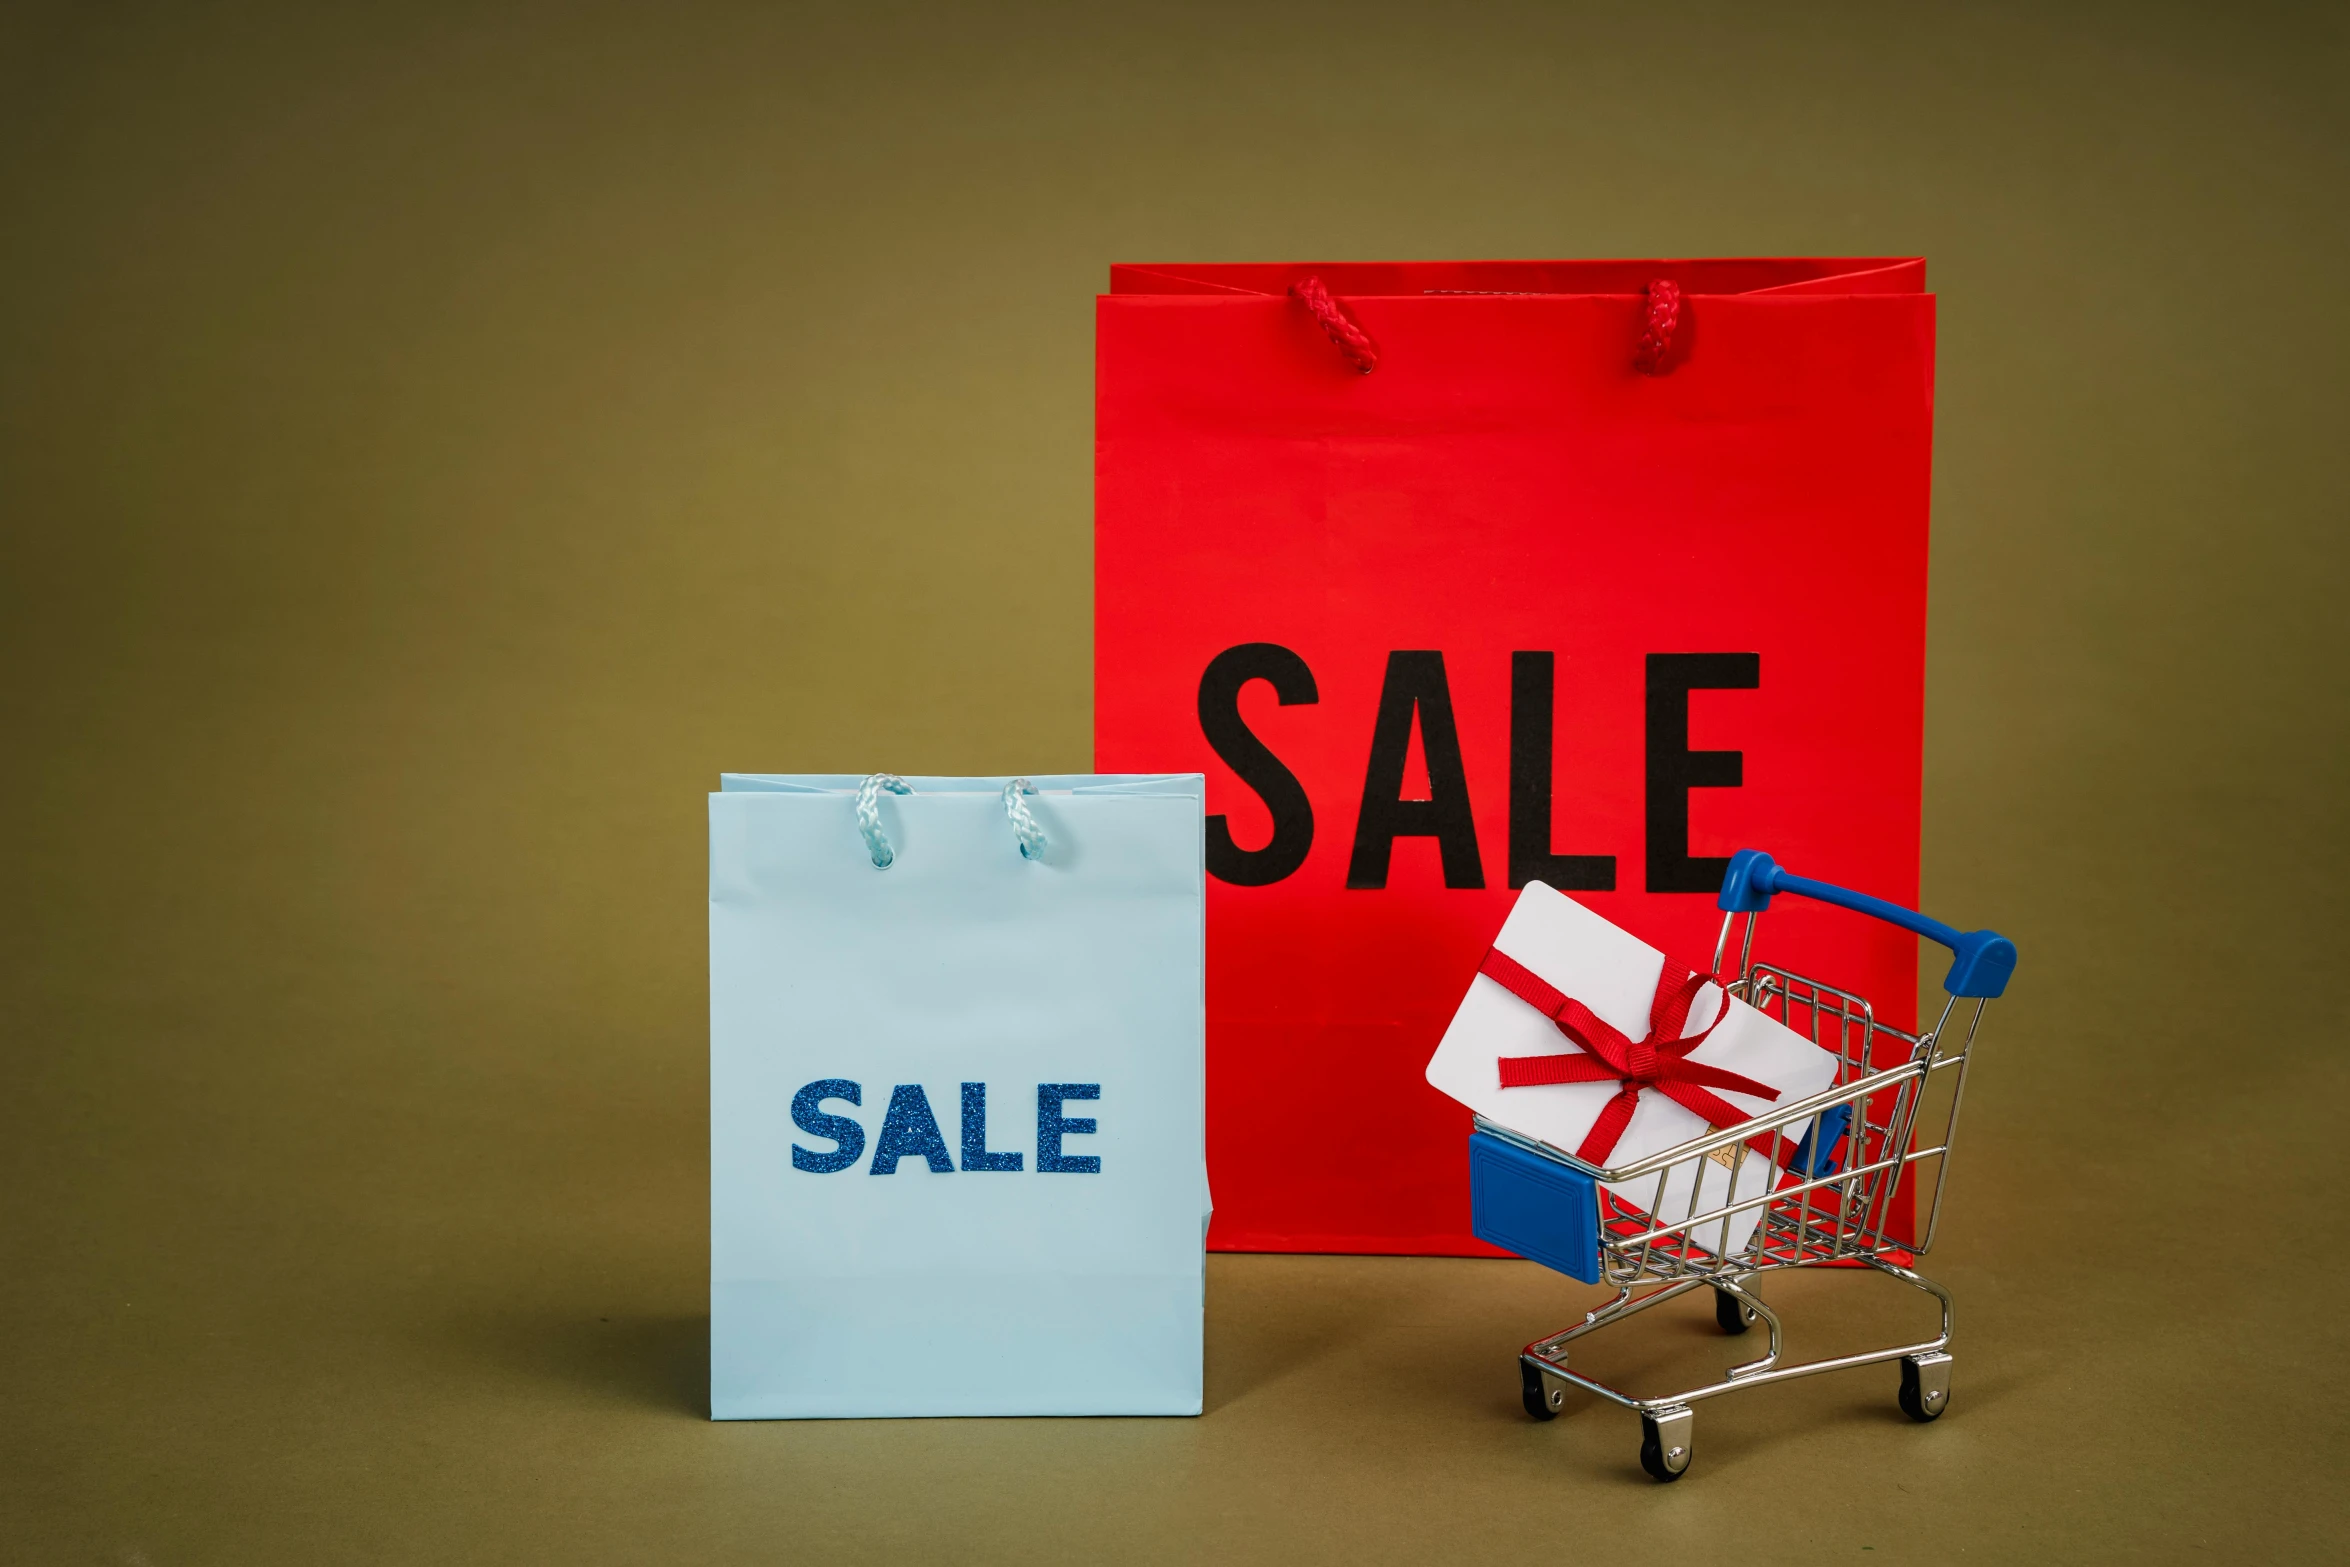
(1502, 609)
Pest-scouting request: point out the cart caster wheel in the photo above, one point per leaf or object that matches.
(1732, 1313)
(1665, 1444)
(1542, 1397)
(1925, 1386)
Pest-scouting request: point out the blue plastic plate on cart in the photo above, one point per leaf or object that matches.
(1539, 1208)
(1816, 1155)
(1548, 1212)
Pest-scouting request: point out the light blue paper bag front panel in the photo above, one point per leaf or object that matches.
(977, 1291)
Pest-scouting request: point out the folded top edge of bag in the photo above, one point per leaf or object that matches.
(1047, 783)
(1725, 275)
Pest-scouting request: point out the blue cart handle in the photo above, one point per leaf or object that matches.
(1983, 958)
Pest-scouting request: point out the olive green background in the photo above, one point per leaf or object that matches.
(434, 441)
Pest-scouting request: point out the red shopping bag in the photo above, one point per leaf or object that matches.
(1453, 576)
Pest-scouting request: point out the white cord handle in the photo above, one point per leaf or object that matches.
(869, 815)
(1032, 839)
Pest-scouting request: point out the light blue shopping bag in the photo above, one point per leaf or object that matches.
(957, 1100)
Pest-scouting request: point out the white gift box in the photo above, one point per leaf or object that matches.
(1614, 974)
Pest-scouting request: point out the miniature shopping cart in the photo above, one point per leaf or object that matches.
(1834, 1203)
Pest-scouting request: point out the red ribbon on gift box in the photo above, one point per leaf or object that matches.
(1608, 1055)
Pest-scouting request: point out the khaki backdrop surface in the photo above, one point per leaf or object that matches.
(435, 440)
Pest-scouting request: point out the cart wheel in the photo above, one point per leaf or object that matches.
(1733, 1314)
(1541, 1401)
(1665, 1444)
(1925, 1386)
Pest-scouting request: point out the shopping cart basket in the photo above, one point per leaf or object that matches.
(1834, 1204)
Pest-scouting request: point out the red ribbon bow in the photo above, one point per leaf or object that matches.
(1657, 1062)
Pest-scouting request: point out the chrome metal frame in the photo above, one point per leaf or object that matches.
(1842, 1216)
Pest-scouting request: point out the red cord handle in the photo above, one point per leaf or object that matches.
(1649, 358)
(1664, 315)
(1351, 339)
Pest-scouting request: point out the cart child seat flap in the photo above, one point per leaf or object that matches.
(1539, 1208)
